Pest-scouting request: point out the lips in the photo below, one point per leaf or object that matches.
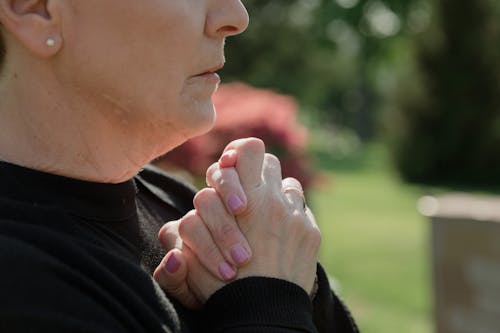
(212, 70)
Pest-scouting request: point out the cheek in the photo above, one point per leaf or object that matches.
(117, 46)
(140, 62)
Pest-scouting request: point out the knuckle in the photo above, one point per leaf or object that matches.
(297, 220)
(272, 160)
(314, 238)
(227, 232)
(211, 172)
(188, 225)
(281, 209)
(297, 216)
(203, 197)
(184, 228)
(253, 145)
(164, 231)
(211, 251)
(221, 182)
(293, 182)
(168, 235)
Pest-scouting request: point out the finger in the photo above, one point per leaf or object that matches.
(226, 182)
(311, 218)
(272, 172)
(250, 152)
(294, 193)
(171, 275)
(169, 236)
(223, 227)
(292, 182)
(201, 282)
(196, 235)
(228, 159)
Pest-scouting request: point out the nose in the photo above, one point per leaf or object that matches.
(226, 18)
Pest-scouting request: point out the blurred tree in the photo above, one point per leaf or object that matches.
(321, 51)
(279, 51)
(449, 129)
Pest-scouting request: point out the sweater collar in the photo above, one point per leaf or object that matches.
(95, 201)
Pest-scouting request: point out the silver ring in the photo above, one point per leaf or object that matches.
(297, 191)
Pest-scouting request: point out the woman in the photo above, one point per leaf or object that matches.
(90, 92)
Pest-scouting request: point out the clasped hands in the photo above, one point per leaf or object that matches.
(249, 222)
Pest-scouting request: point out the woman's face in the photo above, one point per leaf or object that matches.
(147, 58)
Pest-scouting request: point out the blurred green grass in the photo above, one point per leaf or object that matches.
(375, 244)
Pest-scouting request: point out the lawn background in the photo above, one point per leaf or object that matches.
(375, 243)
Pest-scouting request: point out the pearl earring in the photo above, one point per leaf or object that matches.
(50, 42)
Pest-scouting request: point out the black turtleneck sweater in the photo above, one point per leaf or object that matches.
(77, 257)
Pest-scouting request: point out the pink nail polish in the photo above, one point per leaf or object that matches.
(234, 203)
(172, 264)
(239, 254)
(226, 271)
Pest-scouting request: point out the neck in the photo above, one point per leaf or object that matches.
(45, 126)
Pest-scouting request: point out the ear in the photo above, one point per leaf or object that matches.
(36, 24)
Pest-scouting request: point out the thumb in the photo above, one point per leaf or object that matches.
(171, 275)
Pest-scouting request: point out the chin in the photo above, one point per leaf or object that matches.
(205, 120)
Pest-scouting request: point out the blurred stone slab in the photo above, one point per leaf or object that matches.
(466, 261)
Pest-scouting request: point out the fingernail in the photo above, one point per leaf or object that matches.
(172, 264)
(234, 203)
(239, 254)
(226, 271)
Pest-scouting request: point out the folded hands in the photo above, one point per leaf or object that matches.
(249, 222)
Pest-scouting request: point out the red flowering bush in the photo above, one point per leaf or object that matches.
(244, 111)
